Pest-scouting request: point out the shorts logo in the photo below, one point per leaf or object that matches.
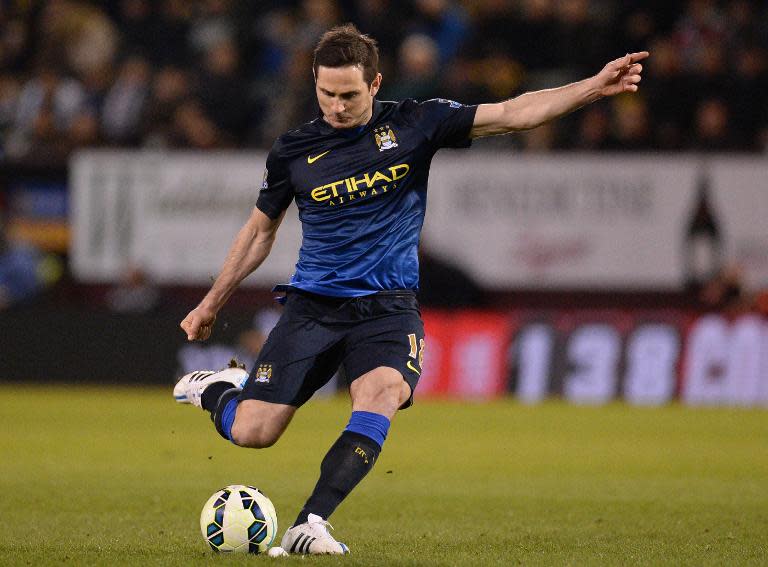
(417, 353)
(451, 103)
(385, 138)
(264, 373)
(264, 184)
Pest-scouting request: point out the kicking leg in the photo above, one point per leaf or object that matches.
(248, 423)
(376, 396)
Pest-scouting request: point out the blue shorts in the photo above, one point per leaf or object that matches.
(318, 334)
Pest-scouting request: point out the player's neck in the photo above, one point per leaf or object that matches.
(367, 118)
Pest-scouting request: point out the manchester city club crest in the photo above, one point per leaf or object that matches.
(385, 138)
(264, 373)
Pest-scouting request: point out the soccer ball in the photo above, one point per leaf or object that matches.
(239, 519)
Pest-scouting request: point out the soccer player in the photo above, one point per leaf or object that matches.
(358, 174)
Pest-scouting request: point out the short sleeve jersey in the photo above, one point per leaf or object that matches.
(361, 194)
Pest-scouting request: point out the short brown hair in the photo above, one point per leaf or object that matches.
(346, 45)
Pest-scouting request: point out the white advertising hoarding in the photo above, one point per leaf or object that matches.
(565, 221)
(740, 195)
(173, 216)
(550, 221)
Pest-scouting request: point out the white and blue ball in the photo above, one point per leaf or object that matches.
(239, 519)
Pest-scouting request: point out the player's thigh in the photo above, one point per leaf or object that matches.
(382, 390)
(387, 351)
(260, 424)
(299, 357)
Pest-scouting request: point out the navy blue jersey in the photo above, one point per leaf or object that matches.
(361, 194)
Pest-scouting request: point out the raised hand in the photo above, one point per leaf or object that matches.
(621, 75)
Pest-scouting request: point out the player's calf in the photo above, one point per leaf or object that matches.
(260, 424)
(350, 458)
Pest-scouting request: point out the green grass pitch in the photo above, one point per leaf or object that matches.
(118, 477)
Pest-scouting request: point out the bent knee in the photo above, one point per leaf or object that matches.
(397, 392)
(388, 393)
(384, 396)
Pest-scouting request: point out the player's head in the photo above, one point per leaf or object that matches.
(347, 77)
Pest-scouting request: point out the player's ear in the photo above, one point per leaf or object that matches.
(376, 84)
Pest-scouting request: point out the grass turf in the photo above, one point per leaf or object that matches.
(118, 476)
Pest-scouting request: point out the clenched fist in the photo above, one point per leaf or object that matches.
(199, 323)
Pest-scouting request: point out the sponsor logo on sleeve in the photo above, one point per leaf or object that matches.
(264, 373)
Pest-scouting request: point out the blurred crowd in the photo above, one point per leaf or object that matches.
(25, 270)
(227, 74)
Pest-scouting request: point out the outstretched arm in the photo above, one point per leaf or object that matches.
(533, 109)
(250, 248)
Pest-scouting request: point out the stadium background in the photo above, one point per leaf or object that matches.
(612, 232)
(610, 260)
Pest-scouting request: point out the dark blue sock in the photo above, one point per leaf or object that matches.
(346, 463)
(223, 414)
(228, 417)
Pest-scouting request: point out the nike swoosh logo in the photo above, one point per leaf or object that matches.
(412, 367)
(311, 160)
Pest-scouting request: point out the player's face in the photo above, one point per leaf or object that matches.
(345, 99)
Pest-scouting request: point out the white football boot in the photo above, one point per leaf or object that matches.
(189, 389)
(312, 538)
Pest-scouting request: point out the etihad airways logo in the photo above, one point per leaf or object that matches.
(361, 186)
